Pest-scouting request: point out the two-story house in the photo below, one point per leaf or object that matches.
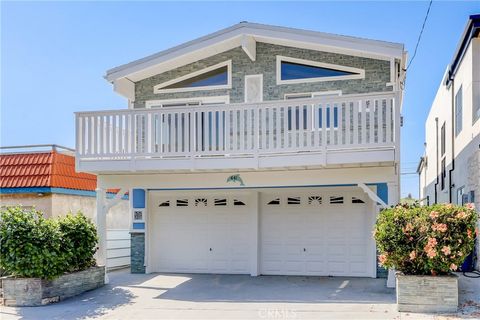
(254, 150)
(449, 171)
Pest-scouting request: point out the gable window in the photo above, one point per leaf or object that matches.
(458, 111)
(293, 70)
(218, 76)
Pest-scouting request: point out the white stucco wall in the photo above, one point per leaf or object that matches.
(466, 144)
(53, 205)
(41, 202)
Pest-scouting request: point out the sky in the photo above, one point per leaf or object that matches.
(54, 54)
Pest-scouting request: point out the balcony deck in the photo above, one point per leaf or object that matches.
(318, 132)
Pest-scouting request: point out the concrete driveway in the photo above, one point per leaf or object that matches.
(167, 296)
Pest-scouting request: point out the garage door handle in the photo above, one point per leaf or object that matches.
(210, 249)
(304, 249)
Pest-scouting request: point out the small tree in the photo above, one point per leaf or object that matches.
(430, 240)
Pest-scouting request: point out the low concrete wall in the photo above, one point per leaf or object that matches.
(24, 292)
(427, 293)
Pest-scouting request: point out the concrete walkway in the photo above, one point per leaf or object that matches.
(162, 296)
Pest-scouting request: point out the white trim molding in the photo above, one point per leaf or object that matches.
(360, 73)
(306, 95)
(372, 195)
(201, 100)
(159, 88)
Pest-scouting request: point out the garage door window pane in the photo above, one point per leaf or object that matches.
(357, 200)
(165, 204)
(220, 202)
(182, 202)
(238, 203)
(200, 202)
(336, 200)
(293, 200)
(274, 202)
(314, 200)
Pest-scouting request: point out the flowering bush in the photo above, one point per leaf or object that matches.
(428, 240)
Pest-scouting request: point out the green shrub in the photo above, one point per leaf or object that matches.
(425, 240)
(80, 240)
(32, 246)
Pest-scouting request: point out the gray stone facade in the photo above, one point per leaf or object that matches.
(137, 253)
(427, 293)
(377, 75)
(37, 292)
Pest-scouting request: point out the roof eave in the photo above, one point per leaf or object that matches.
(381, 48)
(472, 29)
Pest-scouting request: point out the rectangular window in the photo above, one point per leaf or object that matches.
(443, 175)
(442, 139)
(458, 111)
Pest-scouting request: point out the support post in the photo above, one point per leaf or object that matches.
(254, 270)
(393, 199)
(101, 220)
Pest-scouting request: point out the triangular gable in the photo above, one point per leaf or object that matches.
(245, 35)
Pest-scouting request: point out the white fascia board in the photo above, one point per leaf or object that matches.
(232, 37)
(183, 54)
(328, 42)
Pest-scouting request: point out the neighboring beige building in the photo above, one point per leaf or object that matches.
(46, 180)
(449, 171)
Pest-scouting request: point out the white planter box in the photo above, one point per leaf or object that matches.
(427, 293)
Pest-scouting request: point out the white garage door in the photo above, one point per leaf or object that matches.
(317, 232)
(200, 233)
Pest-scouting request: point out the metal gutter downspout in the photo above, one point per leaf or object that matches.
(436, 142)
(450, 184)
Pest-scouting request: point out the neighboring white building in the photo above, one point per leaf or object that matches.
(254, 150)
(449, 171)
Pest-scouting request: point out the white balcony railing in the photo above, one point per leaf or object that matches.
(256, 129)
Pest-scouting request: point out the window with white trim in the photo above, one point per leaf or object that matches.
(187, 102)
(218, 76)
(294, 70)
(458, 111)
(306, 95)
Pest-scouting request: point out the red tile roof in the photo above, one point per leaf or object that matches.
(45, 169)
